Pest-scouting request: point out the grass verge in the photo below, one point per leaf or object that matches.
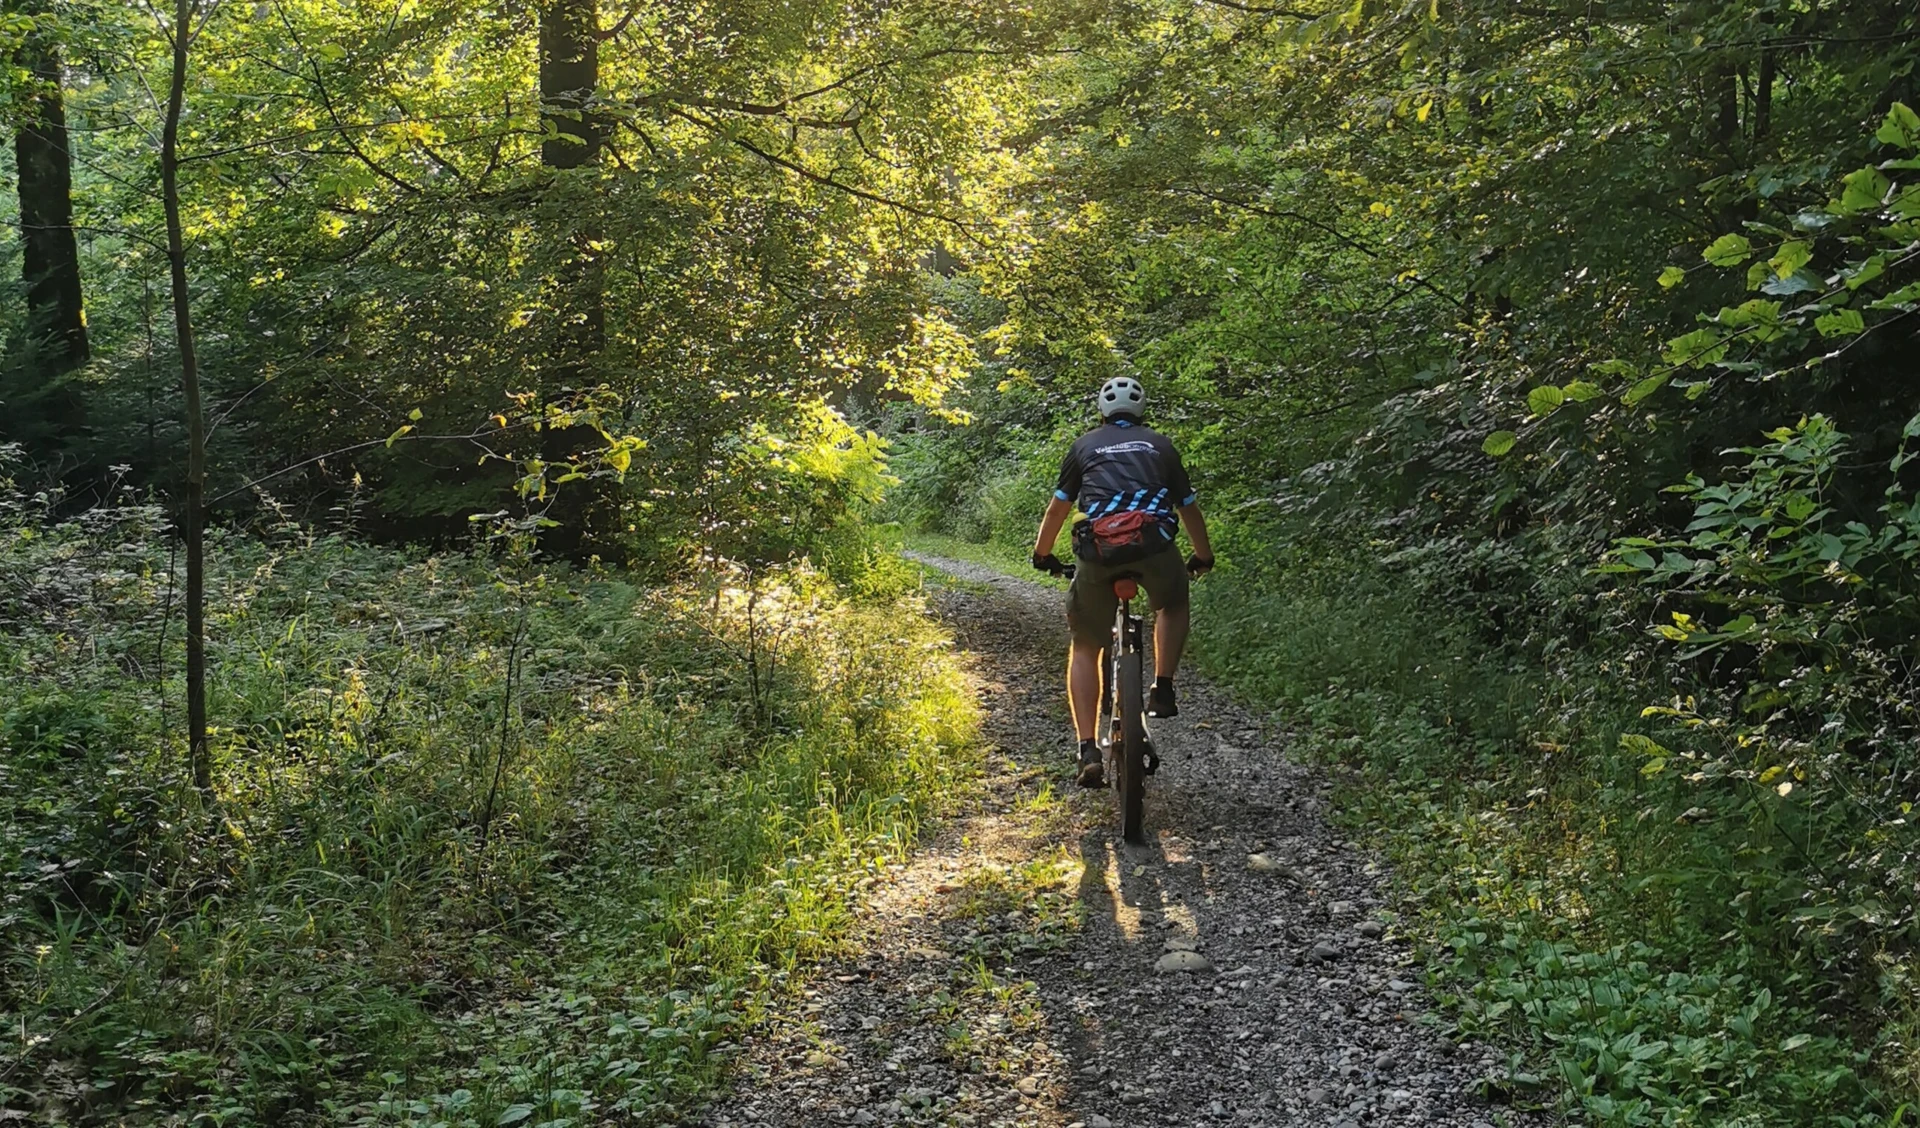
(484, 849)
(1008, 559)
(1632, 938)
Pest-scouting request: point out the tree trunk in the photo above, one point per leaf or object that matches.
(1725, 87)
(56, 323)
(1763, 94)
(183, 16)
(569, 82)
(569, 79)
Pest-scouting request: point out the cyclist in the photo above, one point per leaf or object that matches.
(1128, 481)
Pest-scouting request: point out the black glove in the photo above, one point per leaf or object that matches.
(1198, 565)
(1049, 563)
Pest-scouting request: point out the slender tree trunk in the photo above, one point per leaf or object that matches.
(1725, 85)
(1763, 93)
(569, 79)
(569, 82)
(183, 16)
(56, 332)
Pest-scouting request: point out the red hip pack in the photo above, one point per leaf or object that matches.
(1121, 538)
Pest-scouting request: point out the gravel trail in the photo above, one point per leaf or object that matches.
(1022, 968)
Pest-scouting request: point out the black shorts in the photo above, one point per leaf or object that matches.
(1091, 603)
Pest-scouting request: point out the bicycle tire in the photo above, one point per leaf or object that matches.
(1131, 764)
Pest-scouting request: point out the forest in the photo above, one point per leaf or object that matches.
(460, 665)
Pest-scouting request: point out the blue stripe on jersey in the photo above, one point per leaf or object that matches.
(1062, 495)
(1154, 505)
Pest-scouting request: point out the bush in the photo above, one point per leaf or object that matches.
(486, 845)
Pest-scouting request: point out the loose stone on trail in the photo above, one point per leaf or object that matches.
(1178, 961)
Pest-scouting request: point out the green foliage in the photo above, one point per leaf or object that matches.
(1439, 301)
(1570, 902)
(682, 788)
(403, 301)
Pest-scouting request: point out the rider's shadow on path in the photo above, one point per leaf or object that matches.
(1134, 888)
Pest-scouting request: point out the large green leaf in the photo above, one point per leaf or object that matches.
(1791, 257)
(1499, 443)
(1697, 349)
(1545, 399)
(1758, 319)
(1864, 190)
(1901, 128)
(1729, 251)
(1841, 323)
(1645, 388)
(1903, 298)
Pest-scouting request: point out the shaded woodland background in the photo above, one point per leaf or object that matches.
(572, 373)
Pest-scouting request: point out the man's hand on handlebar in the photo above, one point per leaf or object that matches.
(1049, 563)
(1198, 565)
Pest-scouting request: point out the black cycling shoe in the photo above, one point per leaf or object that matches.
(1092, 772)
(1152, 759)
(1160, 702)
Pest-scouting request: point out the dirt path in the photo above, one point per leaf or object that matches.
(1008, 975)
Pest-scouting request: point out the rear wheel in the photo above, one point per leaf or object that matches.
(1130, 775)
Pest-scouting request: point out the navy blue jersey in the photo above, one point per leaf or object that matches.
(1124, 466)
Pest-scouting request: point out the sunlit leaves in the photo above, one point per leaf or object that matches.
(1758, 319)
(1729, 251)
(1841, 323)
(1696, 349)
(1792, 255)
(1901, 128)
(1499, 443)
(1863, 190)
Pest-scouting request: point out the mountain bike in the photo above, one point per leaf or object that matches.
(1127, 748)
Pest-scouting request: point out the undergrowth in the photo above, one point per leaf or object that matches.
(486, 846)
(1652, 951)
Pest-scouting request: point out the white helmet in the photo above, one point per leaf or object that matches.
(1121, 395)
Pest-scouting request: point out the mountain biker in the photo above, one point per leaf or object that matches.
(1128, 481)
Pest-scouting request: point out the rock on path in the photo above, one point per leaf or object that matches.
(1028, 968)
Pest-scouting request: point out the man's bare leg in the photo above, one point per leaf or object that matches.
(1083, 688)
(1169, 639)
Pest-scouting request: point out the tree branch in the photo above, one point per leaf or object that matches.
(823, 179)
(1318, 225)
(1257, 10)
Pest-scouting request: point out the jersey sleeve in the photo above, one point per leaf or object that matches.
(1178, 484)
(1067, 487)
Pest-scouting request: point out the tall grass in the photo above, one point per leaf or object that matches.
(487, 847)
